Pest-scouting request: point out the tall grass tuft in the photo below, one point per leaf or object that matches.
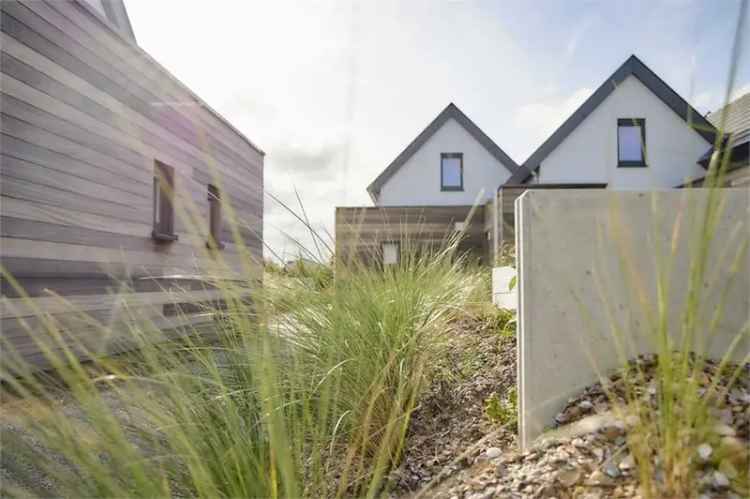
(305, 391)
(667, 432)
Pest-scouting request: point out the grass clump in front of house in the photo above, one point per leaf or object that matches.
(305, 392)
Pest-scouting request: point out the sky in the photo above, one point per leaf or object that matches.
(333, 91)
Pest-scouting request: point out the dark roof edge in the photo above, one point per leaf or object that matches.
(450, 111)
(117, 13)
(632, 66)
(557, 185)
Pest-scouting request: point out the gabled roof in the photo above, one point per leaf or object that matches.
(632, 66)
(737, 115)
(451, 111)
(735, 120)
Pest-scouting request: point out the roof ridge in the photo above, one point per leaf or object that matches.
(450, 111)
(632, 66)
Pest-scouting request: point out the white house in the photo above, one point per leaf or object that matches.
(451, 163)
(634, 132)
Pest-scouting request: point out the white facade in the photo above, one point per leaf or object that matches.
(589, 153)
(417, 181)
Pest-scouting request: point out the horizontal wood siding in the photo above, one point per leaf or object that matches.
(360, 231)
(85, 113)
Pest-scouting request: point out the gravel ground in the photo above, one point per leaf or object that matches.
(587, 454)
(449, 429)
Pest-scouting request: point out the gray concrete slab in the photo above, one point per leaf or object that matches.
(589, 263)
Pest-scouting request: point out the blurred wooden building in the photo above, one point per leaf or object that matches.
(118, 184)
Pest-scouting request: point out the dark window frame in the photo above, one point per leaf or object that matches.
(214, 218)
(163, 203)
(632, 122)
(451, 155)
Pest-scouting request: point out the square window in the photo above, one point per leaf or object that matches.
(631, 142)
(451, 171)
(391, 252)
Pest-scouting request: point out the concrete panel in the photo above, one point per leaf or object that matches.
(589, 263)
(502, 295)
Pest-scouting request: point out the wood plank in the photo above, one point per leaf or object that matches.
(33, 134)
(21, 307)
(72, 131)
(51, 268)
(200, 264)
(40, 231)
(19, 208)
(105, 124)
(360, 231)
(16, 22)
(49, 196)
(64, 286)
(41, 175)
(89, 33)
(55, 72)
(33, 153)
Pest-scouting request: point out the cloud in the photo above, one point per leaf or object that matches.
(712, 100)
(305, 158)
(542, 117)
(740, 91)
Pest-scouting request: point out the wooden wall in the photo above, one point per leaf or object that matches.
(360, 231)
(85, 114)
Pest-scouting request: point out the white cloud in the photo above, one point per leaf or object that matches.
(711, 100)
(740, 91)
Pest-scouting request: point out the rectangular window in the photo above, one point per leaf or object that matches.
(391, 252)
(214, 218)
(451, 171)
(163, 206)
(631, 142)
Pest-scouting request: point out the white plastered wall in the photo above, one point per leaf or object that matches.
(589, 153)
(417, 182)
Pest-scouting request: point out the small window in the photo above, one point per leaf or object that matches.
(391, 252)
(163, 207)
(631, 142)
(214, 218)
(451, 171)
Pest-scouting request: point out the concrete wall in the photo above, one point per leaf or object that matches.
(589, 153)
(417, 182)
(570, 246)
(502, 294)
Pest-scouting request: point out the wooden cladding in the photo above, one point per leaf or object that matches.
(101, 149)
(365, 233)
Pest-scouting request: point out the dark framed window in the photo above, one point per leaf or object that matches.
(452, 171)
(163, 208)
(631, 142)
(214, 218)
